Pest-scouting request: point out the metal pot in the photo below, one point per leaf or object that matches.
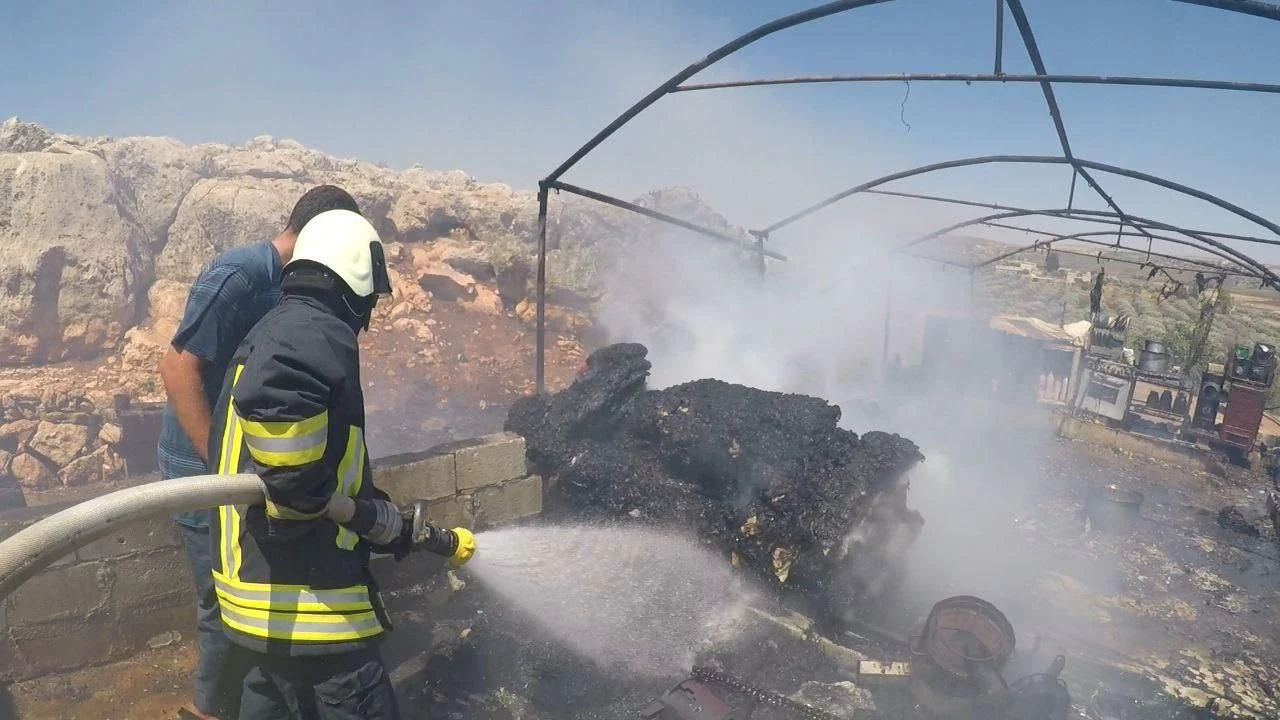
(1155, 346)
(1113, 509)
(1153, 361)
(964, 630)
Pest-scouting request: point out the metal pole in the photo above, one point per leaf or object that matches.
(760, 253)
(540, 361)
(999, 37)
(888, 309)
(1071, 196)
(1002, 78)
(973, 273)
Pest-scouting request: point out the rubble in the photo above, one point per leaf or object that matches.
(768, 478)
(1232, 519)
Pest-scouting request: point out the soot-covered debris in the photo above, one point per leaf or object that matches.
(767, 477)
(1232, 519)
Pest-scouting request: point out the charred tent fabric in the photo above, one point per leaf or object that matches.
(768, 478)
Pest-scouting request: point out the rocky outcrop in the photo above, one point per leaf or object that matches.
(102, 235)
(58, 439)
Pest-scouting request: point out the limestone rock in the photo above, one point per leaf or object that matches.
(159, 171)
(81, 471)
(15, 435)
(31, 472)
(76, 259)
(222, 213)
(486, 301)
(100, 465)
(104, 235)
(59, 442)
(111, 434)
(19, 137)
(6, 458)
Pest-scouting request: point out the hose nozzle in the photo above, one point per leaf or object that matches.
(458, 544)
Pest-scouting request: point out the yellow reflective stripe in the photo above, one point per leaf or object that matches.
(291, 598)
(287, 443)
(285, 429)
(315, 627)
(226, 466)
(280, 512)
(350, 469)
(237, 441)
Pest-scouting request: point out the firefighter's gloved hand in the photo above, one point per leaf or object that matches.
(466, 547)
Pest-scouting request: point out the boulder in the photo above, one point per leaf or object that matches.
(81, 471)
(15, 435)
(6, 457)
(60, 443)
(486, 300)
(99, 465)
(222, 213)
(160, 172)
(76, 261)
(31, 472)
(111, 434)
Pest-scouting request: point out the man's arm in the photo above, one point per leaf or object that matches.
(208, 323)
(180, 373)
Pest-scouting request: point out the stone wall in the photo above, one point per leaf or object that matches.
(111, 598)
(62, 440)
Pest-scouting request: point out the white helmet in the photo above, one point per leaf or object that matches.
(345, 243)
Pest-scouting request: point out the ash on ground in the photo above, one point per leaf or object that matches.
(767, 478)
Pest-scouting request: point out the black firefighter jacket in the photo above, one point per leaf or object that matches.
(289, 580)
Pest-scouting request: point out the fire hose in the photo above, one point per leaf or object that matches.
(34, 548)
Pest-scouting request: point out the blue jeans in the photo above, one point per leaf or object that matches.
(216, 688)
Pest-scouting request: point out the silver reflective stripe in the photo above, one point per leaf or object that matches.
(348, 482)
(229, 537)
(288, 626)
(295, 597)
(311, 440)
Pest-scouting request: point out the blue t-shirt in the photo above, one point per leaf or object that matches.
(228, 298)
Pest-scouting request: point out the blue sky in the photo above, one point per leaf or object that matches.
(505, 90)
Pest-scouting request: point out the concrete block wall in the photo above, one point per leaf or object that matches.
(108, 599)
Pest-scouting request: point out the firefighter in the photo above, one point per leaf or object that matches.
(292, 576)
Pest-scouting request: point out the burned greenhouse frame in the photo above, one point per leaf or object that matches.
(754, 240)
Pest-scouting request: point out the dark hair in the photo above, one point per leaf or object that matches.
(321, 198)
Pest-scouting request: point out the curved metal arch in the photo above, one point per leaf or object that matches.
(1086, 237)
(1103, 216)
(966, 78)
(1035, 160)
(1247, 7)
(712, 58)
(1239, 257)
(1250, 7)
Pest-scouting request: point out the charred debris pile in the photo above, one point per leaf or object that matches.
(766, 477)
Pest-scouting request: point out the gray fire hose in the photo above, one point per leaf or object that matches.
(32, 549)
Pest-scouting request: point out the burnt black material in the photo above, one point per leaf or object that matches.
(1232, 519)
(766, 475)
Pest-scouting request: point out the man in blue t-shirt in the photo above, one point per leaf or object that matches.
(228, 298)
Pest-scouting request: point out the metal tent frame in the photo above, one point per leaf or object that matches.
(1151, 230)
